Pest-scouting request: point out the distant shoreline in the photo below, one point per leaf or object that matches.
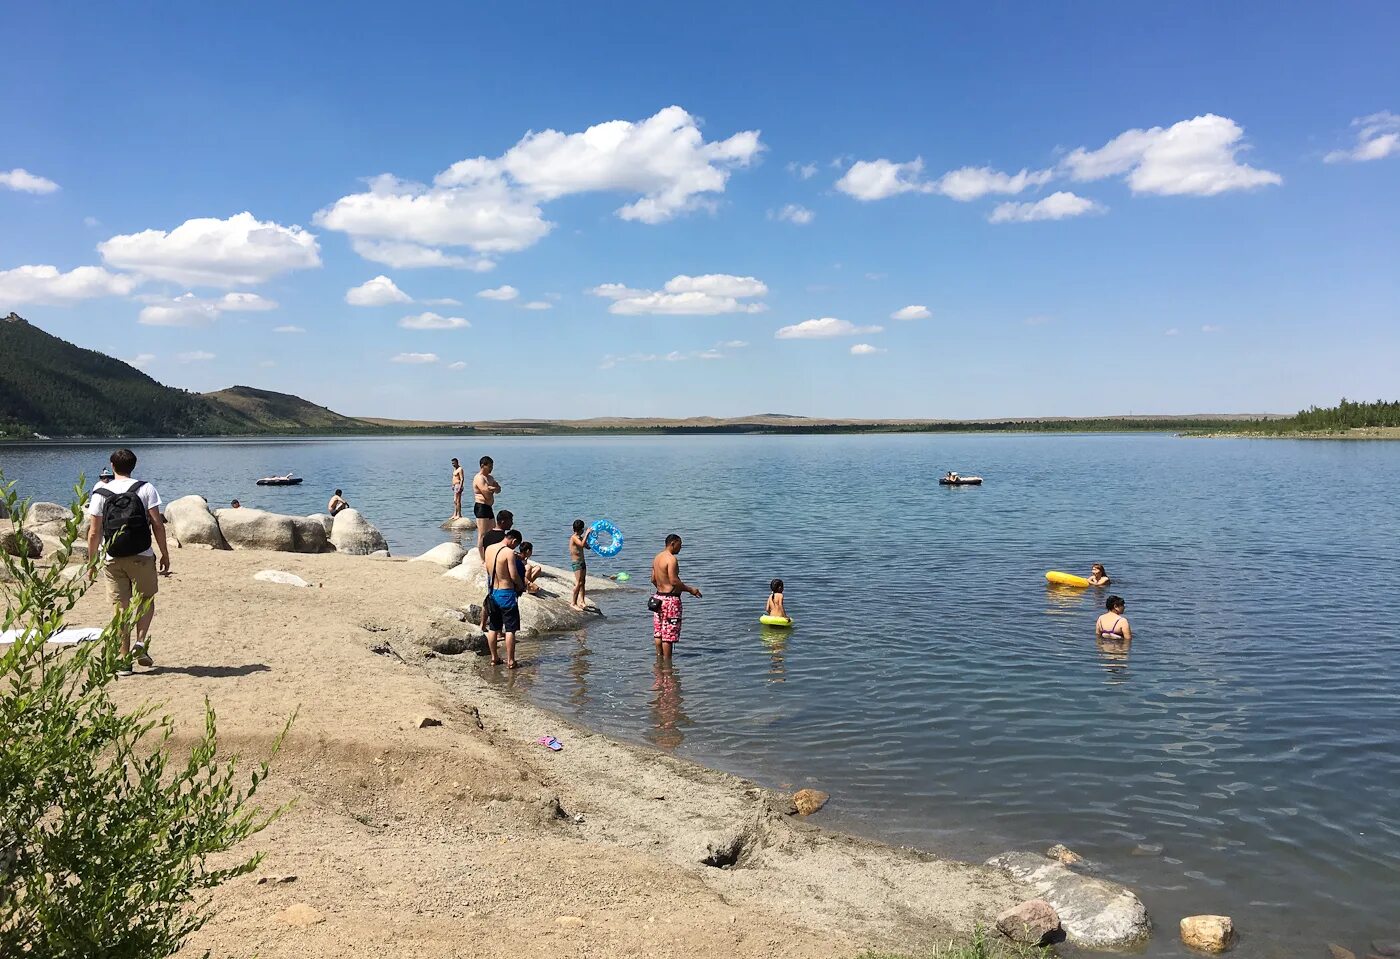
(1359, 433)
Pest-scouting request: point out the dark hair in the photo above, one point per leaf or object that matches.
(454, 461)
(776, 586)
(672, 538)
(337, 492)
(234, 503)
(124, 461)
(1113, 601)
(1098, 566)
(578, 526)
(513, 535)
(505, 519)
(487, 461)
(527, 547)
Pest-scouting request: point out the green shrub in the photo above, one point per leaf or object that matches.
(105, 836)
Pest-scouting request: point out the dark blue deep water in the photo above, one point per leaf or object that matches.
(934, 685)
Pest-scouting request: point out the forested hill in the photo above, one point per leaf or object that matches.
(282, 411)
(50, 386)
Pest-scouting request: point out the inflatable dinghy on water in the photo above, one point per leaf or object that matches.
(280, 481)
(960, 481)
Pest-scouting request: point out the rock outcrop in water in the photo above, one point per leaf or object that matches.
(1093, 912)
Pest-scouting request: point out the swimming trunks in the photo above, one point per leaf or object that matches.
(666, 622)
(483, 511)
(503, 612)
(456, 487)
(578, 565)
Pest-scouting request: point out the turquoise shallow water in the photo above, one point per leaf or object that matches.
(934, 685)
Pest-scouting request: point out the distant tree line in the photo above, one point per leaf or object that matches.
(1347, 415)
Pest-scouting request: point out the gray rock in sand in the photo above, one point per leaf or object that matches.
(352, 533)
(15, 543)
(279, 577)
(1094, 912)
(326, 523)
(46, 515)
(446, 555)
(191, 522)
(247, 528)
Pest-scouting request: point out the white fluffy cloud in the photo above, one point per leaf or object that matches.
(538, 305)
(492, 205)
(380, 291)
(238, 251)
(25, 182)
(915, 312)
(1195, 157)
(288, 329)
(878, 179)
(500, 293)
(46, 284)
(194, 356)
(973, 183)
(793, 213)
(432, 321)
(191, 310)
(824, 328)
(1377, 137)
(412, 256)
(414, 359)
(707, 295)
(459, 365)
(865, 349)
(803, 171)
(1056, 206)
(141, 360)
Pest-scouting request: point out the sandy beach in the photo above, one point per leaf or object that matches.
(470, 839)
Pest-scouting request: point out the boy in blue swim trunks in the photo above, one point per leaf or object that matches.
(578, 562)
(503, 588)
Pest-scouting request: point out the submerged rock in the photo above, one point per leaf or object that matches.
(352, 533)
(1064, 854)
(1032, 923)
(808, 801)
(459, 522)
(1208, 933)
(191, 522)
(1335, 951)
(1093, 912)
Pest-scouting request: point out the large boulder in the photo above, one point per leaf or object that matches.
(13, 542)
(310, 535)
(352, 533)
(326, 523)
(246, 528)
(459, 522)
(50, 518)
(190, 520)
(446, 555)
(52, 544)
(1032, 923)
(1094, 912)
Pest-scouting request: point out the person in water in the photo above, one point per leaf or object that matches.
(504, 586)
(235, 505)
(1098, 576)
(578, 562)
(775, 605)
(666, 614)
(459, 482)
(338, 502)
(500, 526)
(484, 490)
(1113, 624)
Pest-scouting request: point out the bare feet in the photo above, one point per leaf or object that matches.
(496, 662)
(512, 665)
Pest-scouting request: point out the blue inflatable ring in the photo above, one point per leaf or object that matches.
(612, 548)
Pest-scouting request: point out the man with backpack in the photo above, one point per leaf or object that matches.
(125, 516)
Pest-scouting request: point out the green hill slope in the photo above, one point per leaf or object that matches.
(50, 386)
(269, 411)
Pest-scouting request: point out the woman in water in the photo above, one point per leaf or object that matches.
(1098, 576)
(1113, 624)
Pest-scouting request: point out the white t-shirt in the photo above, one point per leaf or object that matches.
(149, 498)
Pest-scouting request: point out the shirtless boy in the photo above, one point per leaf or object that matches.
(578, 562)
(484, 490)
(503, 599)
(666, 577)
(459, 481)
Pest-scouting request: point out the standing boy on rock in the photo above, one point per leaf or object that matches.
(484, 490)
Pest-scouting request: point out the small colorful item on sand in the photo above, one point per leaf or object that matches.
(599, 528)
(550, 742)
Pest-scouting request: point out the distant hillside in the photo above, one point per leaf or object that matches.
(50, 386)
(264, 410)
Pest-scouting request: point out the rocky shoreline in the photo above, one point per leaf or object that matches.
(376, 655)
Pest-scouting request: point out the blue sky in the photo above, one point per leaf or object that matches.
(1184, 208)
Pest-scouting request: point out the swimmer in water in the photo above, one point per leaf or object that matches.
(1098, 576)
(775, 605)
(1113, 624)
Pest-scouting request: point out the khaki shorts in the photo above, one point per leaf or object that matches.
(126, 574)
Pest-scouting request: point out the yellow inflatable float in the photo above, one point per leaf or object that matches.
(1065, 579)
(780, 621)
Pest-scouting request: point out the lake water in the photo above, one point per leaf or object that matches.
(1241, 758)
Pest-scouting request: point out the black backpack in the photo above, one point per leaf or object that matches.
(125, 525)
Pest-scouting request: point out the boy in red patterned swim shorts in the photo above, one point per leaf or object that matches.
(666, 603)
